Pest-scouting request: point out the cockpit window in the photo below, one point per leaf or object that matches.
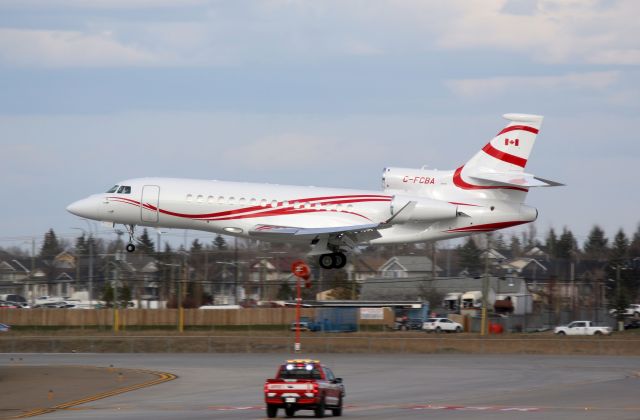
(112, 189)
(124, 189)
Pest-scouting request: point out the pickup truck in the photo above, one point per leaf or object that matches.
(581, 328)
(303, 384)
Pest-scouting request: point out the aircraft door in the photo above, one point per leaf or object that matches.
(150, 202)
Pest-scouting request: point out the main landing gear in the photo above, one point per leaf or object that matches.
(333, 260)
(130, 246)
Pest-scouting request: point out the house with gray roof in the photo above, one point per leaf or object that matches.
(408, 266)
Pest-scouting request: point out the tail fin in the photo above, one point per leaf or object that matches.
(498, 169)
(509, 150)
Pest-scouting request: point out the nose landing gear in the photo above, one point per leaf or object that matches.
(333, 260)
(130, 246)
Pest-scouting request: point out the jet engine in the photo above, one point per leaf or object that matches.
(406, 208)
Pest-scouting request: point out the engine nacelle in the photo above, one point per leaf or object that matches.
(406, 208)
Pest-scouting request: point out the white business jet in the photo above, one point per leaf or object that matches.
(415, 205)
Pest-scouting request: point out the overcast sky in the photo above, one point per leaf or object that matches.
(322, 93)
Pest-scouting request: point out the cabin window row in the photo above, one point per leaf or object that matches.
(201, 199)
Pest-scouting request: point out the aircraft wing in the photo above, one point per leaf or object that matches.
(321, 238)
(518, 179)
(300, 231)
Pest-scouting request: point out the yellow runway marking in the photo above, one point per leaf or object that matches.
(161, 377)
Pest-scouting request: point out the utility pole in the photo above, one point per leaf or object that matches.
(619, 293)
(235, 271)
(116, 315)
(485, 287)
(33, 267)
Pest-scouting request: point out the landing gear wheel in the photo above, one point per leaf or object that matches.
(289, 411)
(131, 247)
(339, 260)
(326, 261)
(319, 410)
(272, 410)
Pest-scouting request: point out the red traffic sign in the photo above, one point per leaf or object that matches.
(300, 269)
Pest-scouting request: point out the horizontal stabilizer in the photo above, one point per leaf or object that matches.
(298, 231)
(516, 179)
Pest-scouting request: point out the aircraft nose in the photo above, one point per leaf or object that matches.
(83, 208)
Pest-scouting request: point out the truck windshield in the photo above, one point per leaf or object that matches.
(299, 372)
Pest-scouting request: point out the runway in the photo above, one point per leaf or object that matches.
(379, 386)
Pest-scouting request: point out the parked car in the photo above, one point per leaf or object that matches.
(4, 328)
(441, 325)
(631, 310)
(632, 324)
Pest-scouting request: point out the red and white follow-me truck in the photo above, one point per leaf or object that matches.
(303, 384)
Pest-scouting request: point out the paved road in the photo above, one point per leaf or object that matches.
(380, 386)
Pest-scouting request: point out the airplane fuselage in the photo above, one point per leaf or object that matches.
(235, 208)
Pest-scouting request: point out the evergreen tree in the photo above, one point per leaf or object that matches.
(107, 295)
(634, 247)
(551, 243)
(285, 292)
(566, 245)
(145, 244)
(626, 289)
(81, 247)
(499, 243)
(469, 257)
(529, 238)
(124, 296)
(596, 245)
(50, 247)
(220, 243)
(620, 247)
(196, 246)
(516, 247)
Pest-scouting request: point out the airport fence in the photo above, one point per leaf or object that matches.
(149, 318)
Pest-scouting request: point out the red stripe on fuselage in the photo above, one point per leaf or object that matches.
(268, 210)
(342, 200)
(505, 157)
(488, 227)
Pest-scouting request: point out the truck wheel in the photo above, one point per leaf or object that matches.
(272, 411)
(319, 410)
(289, 411)
(458, 329)
(561, 333)
(597, 333)
(337, 412)
(438, 330)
